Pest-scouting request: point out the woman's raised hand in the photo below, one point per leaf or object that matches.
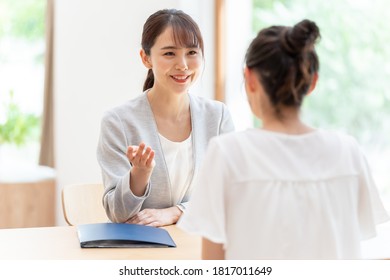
(142, 161)
(141, 157)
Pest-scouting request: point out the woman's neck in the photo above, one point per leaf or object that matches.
(169, 105)
(171, 113)
(289, 123)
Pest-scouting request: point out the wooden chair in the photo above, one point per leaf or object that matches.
(82, 204)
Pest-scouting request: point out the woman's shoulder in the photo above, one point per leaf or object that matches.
(137, 103)
(338, 136)
(131, 107)
(203, 103)
(340, 145)
(326, 139)
(233, 139)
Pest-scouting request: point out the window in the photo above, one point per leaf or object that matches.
(352, 93)
(22, 46)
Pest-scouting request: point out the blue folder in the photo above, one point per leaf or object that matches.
(113, 235)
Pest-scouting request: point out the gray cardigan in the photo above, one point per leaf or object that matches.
(133, 123)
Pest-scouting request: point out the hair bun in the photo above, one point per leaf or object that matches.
(307, 31)
(301, 36)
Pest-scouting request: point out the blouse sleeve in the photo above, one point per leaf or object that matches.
(118, 200)
(205, 214)
(370, 209)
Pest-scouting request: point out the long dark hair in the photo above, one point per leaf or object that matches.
(285, 60)
(185, 33)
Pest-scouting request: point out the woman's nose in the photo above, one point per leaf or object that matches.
(181, 64)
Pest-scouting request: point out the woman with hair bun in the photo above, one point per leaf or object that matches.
(150, 148)
(286, 190)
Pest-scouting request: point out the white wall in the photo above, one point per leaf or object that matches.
(97, 66)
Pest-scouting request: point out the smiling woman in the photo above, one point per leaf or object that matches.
(181, 32)
(150, 148)
(174, 66)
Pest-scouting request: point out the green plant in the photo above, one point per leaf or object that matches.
(18, 127)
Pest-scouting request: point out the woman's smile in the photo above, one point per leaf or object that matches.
(180, 78)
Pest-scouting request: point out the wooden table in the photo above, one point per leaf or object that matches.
(62, 243)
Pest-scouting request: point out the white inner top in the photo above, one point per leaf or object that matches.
(179, 160)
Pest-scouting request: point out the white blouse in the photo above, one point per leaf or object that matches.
(267, 195)
(179, 160)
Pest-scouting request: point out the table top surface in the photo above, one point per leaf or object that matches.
(61, 243)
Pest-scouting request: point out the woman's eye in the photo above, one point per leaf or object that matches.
(193, 52)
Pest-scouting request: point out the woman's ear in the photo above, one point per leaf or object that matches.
(145, 59)
(250, 83)
(313, 83)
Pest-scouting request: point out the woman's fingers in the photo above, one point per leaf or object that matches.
(141, 155)
(131, 153)
(150, 160)
(148, 156)
(145, 155)
(155, 217)
(140, 152)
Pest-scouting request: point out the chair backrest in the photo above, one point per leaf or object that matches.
(82, 204)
